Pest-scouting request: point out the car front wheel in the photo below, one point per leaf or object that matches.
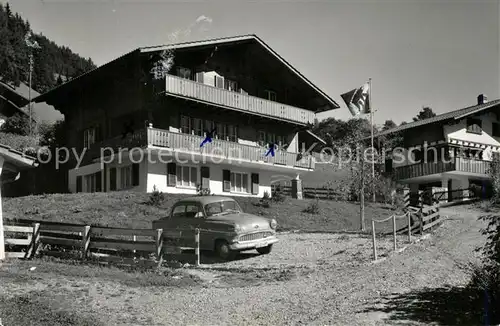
(265, 250)
(223, 251)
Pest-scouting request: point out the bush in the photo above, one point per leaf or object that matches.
(156, 198)
(313, 207)
(17, 124)
(278, 195)
(264, 201)
(200, 191)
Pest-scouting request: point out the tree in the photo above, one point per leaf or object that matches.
(389, 124)
(17, 124)
(425, 113)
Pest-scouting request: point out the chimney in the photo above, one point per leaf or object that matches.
(481, 99)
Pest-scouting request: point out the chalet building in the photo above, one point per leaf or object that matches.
(237, 85)
(450, 152)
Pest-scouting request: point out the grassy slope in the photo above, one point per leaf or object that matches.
(128, 209)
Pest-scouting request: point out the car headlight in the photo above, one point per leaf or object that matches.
(273, 224)
(237, 228)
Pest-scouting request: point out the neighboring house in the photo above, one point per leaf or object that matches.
(451, 151)
(237, 85)
(11, 102)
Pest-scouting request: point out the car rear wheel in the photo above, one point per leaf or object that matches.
(223, 250)
(265, 250)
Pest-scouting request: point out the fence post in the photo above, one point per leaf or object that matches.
(197, 246)
(374, 241)
(409, 227)
(134, 238)
(394, 230)
(35, 238)
(85, 241)
(159, 246)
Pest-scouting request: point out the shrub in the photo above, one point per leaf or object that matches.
(156, 198)
(264, 201)
(278, 195)
(200, 191)
(313, 207)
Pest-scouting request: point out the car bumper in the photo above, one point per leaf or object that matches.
(253, 244)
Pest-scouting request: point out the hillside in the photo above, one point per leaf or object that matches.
(129, 210)
(50, 59)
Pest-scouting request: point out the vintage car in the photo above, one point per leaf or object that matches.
(224, 227)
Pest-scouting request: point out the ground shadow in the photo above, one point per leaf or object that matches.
(444, 306)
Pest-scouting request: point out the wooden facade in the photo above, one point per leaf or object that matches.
(458, 164)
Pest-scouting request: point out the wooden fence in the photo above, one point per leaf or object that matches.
(428, 218)
(126, 246)
(407, 216)
(309, 192)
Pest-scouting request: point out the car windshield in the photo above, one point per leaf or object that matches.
(222, 207)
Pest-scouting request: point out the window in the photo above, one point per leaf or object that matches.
(89, 136)
(231, 85)
(270, 95)
(179, 211)
(280, 140)
(208, 126)
(474, 126)
(186, 176)
(126, 177)
(221, 131)
(184, 72)
(271, 138)
(191, 210)
(185, 124)
(90, 183)
(198, 127)
(221, 207)
(262, 138)
(239, 182)
(232, 132)
(495, 130)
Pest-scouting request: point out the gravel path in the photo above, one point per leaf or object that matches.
(307, 279)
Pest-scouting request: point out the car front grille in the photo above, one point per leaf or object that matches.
(255, 236)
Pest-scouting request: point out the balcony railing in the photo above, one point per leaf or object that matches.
(458, 164)
(225, 149)
(241, 102)
(186, 143)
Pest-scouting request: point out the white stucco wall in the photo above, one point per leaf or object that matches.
(459, 131)
(81, 171)
(157, 176)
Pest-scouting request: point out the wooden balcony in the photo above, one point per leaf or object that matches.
(236, 101)
(459, 164)
(185, 143)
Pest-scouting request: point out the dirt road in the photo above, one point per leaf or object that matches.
(307, 279)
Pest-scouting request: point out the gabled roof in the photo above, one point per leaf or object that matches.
(13, 98)
(456, 115)
(194, 44)
(232, 39)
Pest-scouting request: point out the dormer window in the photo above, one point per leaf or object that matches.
(474, 126)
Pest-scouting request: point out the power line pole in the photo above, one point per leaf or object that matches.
(32, 45)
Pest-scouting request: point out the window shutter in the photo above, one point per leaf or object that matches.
(226, 180)
(171, 174)
(98, 181)
(255, 183)
(219, 82)
(199, 77)
(79, 183)
(112, 179)
(205, 177)
(135, 174)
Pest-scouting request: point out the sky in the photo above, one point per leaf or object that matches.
(441, 54)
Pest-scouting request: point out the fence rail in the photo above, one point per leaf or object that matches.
(310, 192)
(108, 244)
(394, 230)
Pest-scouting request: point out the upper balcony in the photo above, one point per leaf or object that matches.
(190, 145)
(459, 165)
(186, 88)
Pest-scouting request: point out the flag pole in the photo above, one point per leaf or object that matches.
(371, 125)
